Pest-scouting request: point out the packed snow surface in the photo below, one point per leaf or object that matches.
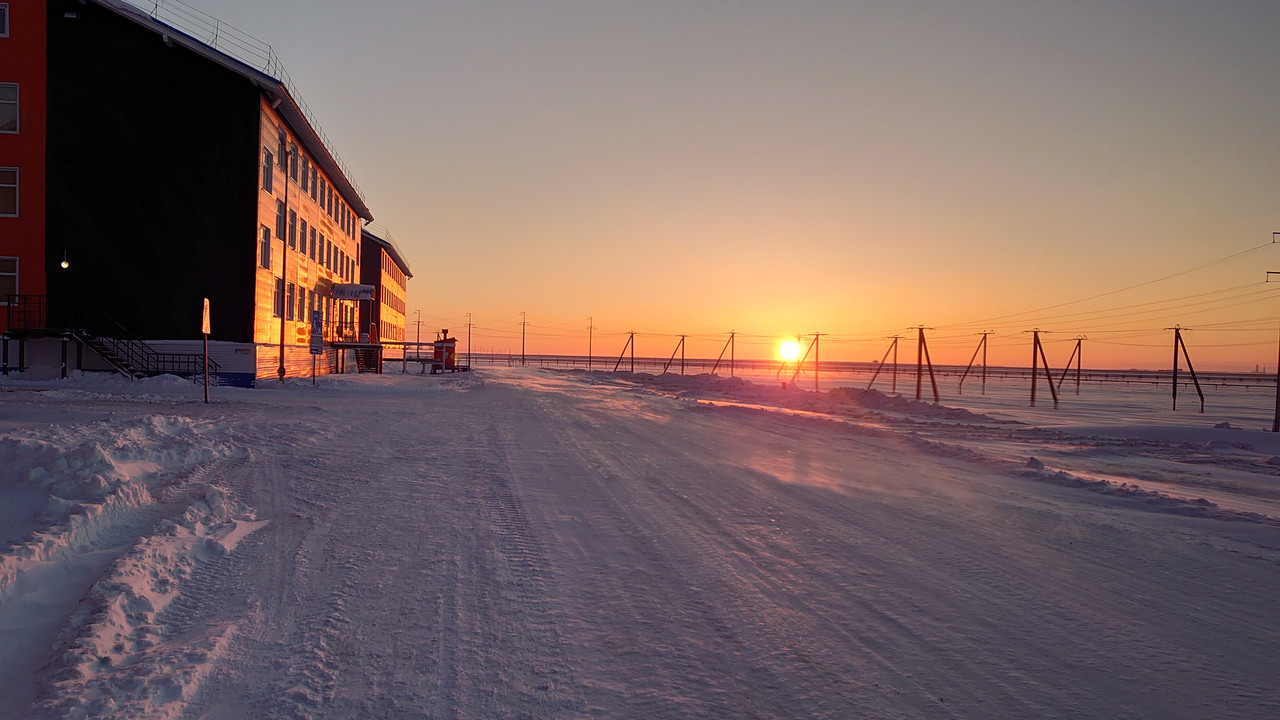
(517, 543)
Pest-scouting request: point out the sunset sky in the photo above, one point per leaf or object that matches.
(781, 168)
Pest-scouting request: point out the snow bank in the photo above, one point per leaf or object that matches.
(108, 521)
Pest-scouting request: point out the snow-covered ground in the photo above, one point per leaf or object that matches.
(516, 543)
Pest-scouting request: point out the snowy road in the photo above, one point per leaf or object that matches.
(518, 544)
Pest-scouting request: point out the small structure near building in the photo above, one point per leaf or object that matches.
(445, 353)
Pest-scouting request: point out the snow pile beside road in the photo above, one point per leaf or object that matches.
(123, 512)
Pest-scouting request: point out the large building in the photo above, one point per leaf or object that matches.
(143, 169)
(383, 266)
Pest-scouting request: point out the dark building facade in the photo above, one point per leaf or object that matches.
(175, 172)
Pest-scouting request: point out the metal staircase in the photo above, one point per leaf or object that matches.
(28, 317)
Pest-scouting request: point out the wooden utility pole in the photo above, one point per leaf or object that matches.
(1037, 354)
(523, 325)
(590, 331)
(1178, 342)
(922, 357)
(1275, 424)
(982, 345)
(813, 348)
(729, 347)
(893, 347)
(679, 349)
(1077, 355)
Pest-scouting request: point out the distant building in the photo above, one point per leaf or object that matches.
(383, 266)
(165, 170)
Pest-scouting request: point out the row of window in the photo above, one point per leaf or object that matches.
(391, 300)
(312, 243)
(296, 302)
(389, 267)
(306, 173)
(391, 332)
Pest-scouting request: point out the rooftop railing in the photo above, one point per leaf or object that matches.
(240, 46)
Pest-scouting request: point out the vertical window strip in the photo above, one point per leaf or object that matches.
(8, 279)
(268, 169)
(8, 192)
(8, 107)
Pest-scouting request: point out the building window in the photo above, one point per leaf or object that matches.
(293, 230)
(268, 169)
(302, 304)
(282, 148)
(278, 305)
(281, 227)
(315, 182)
(264, 248)
(293, 160)
(324, 244)
(9, 192)
(8, 107)
(288, 301)
(313, 243)
(8, 278)
(4, 20)
(306, 173)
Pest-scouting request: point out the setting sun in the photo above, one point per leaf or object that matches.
(789, 350)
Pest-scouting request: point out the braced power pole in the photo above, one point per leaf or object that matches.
(813, 348)
(728, 346)
(679, 349)
(922, 358)
(1178, 342)
(1077, 356)
(1275, 424)
(1037, 355)
(893, 348)
(631, 343)
(982, 346)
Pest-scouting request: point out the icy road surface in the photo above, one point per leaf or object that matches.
(520, 544)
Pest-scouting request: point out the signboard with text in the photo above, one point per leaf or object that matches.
(351, 292)
(317, 332)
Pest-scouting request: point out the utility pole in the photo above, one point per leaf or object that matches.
(893, 347)
(417, 350)
(468, 341)
(523, 325)
(1037, 354)
(813, 348)
(728, 346)
(982, 345)
(591, 328)
(680, 349)
(1077, 356)
(1275, 424)
(631, 343)
(922, 355)
(1178, 342)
